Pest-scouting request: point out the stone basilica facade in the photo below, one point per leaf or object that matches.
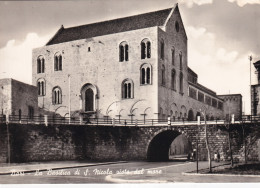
(132, 66)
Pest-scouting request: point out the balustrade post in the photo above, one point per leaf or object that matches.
(46, 120)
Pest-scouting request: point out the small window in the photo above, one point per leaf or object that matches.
(123, 52)
(40, 64)
(88, 49)
(41, 87)
(180, 55)
(173, 56)
(163, 75)
(145, 49)
(145, 74)
(181, 83)
(162, 50)
(177, 26)
(56, 96)
(173, 81)
(58, 62)
(127, 89)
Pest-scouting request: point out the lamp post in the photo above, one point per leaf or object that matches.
(250, 91)
(69, 98)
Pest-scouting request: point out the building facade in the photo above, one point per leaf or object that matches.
(232, 105)
(18, 99)
(132, 67)
(255, 92)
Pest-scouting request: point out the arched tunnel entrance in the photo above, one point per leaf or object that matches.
(159, 147)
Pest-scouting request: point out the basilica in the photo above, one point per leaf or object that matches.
(127, 67)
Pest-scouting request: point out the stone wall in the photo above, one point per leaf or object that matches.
(108, 143)
(15, 96)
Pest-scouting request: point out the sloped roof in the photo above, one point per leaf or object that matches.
(140, 21)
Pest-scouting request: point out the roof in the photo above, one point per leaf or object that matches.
(192, 72)
(151, 19)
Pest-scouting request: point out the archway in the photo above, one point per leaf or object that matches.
(190, 115)
(89, 100)
(88, 97)
(158, 149)
(180, 148)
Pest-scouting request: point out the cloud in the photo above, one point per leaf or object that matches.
(224, 71)
(16, 57)
(241, 3)
(190, 3)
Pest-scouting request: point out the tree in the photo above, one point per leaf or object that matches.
(207, 141)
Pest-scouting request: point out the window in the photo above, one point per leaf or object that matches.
(127, 89)
(192, 93)
(123, 52)
(40, 64)
(214, 103)
(173, 56)
(208, 100)
(180, 55)
(177, 27)
(58, 62)
(181, 83)
(30, 112)
(56, 95)
(163, 75)
(162, 50)
(200, 96)
(41, 87)
(145, 49)
(173, 81)
(145, 73)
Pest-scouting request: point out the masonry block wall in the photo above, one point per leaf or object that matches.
(108, 143)
(15, 96)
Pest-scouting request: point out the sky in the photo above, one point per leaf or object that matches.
(221, 35)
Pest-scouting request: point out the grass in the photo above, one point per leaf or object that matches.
(240, 169)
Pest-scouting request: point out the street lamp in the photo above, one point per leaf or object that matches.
(250, 60)
(69, 98)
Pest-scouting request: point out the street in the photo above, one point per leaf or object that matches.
(124, 172)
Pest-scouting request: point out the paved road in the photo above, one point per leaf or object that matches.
(95, 174)
(131, 172)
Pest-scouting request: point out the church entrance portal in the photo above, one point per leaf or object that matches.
(88, 97)
(89, 102)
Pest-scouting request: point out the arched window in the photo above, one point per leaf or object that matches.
(163, 75)
(123, 52)
(162, 49)
(145, 73)
(58, 62)
(180, 55)
(40, 64)
(173, 56)
(127, 89)
(173, 80)
(41, 87)
(145, 49)
(181, 83)
(56, 95)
